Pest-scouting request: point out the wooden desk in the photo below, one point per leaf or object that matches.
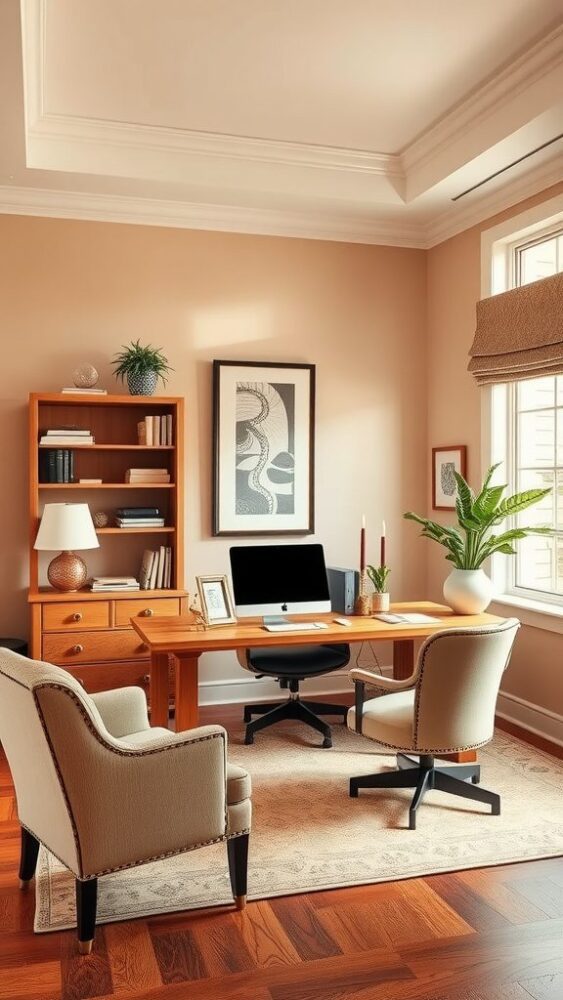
(171, 636)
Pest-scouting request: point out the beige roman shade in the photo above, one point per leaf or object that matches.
(519, 333)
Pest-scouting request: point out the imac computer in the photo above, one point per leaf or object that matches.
(271, 580)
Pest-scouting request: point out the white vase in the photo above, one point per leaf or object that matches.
(468, 591)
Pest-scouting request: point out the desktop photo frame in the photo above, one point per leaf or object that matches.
(445, 461)
(215, 599)
(263, 448)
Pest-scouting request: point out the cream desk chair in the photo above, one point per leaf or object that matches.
(102, 790)
(446, 706)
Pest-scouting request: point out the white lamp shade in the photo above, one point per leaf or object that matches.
(66, 527)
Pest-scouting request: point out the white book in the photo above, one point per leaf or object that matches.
(156, 431)
(163, 429)
(160, 472)
(85, 392)
(161, 558)
(169, 571)
(169, 428)
(154, 571)
(166, 567)
(74, 441)
(68, 432)
(149, 429)
(114, 579)
(146, 566)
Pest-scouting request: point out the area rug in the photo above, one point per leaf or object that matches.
(309, 835)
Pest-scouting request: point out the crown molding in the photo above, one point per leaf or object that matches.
(502, 88)
(220, 218)
(457, 219)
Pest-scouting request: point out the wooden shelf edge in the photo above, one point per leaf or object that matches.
(107, 486)
(106, 447)
(135, 531)
(49, 596)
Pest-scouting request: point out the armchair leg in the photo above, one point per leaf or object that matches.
(237, 852)
(28, 857)
(86, 903)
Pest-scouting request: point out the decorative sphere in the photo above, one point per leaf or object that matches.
(85, 376)
(101, 519)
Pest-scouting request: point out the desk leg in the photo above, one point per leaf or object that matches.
(403, 658)
(187, 711)
(158, 690)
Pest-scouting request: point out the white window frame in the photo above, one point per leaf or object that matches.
(498, 246)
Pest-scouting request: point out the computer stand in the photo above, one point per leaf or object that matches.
(274, 620)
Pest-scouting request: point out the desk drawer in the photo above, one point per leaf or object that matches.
(75, 615)
(146, 607)
(88, 647)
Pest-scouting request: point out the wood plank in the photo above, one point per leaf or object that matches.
(221, 947)
(265, 938)
(544, 987)
(186, 691)
(304, 928)
(178, 957)
(84, 976)
(466, 902)
(513, 905)
(131, 957)
(41, 981)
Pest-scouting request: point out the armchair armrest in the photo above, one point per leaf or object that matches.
(123, 710)
(383, 684)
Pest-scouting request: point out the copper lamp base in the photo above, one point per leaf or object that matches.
(67, 572)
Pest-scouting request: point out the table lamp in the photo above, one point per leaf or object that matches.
(66, 526)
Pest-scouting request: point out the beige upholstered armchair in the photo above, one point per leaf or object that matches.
(447, 705)
(103, 791)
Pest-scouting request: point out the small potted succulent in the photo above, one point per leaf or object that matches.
(142, 366)
(468, 590)
(379, 576)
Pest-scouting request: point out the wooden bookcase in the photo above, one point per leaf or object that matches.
(88, 633)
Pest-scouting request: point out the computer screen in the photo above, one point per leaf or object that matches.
(269, 579)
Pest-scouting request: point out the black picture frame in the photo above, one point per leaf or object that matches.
(259, 510)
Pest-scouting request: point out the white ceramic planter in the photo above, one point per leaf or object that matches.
(379, 602)
(468, 591)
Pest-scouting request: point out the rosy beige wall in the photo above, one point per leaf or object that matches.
(454, 417)
(73, 291)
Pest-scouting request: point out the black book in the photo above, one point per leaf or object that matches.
(138, 512)
(59, 465)
(71, 466)
(52, 467)
(66, 466)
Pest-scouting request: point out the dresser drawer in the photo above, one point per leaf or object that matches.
(78, 615)
(145, 608)
(87, 647)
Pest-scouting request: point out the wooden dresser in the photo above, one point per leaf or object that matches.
(90, 634)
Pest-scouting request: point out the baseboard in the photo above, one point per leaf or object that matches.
(534, 718)
(241, 690)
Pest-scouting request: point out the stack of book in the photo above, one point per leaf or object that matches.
(156, 569)
(147, 476)
(84, 392)
(101, 584)
(66, 435)
(156, 431)
(56, 466)
(139, 517)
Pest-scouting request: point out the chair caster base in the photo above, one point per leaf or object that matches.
(412, 821)
(85, 947)
(353, 791)
(326, 744)
(240, 902)
(249, 739)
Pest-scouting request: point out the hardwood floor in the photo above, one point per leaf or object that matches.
(490, 934)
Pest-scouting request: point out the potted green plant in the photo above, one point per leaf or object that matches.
(142, 366)
(468, 590)
(379, 576)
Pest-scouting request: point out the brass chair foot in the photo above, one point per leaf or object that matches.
(85, 947)
(240, 902)
(25, 883)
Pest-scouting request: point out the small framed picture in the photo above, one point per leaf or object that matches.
(446, 461)
(216, 601)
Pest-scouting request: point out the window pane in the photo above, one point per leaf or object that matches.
(535, 563)
(541, 514)
(538, 261)
(559, 499)
(560, 390)
(534, 393)
(559, 549)
(536, 439)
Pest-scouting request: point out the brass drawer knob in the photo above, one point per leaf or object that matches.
(77, 616)
(78, 648)
(147, 613)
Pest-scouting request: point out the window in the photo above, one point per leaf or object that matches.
(527, 436)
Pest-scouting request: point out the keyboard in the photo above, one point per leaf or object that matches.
(296, 627)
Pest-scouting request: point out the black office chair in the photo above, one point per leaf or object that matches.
(290, 666)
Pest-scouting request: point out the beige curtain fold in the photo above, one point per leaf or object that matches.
(519, 333)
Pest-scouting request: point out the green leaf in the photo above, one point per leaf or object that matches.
(487, 502)
(520, 501)
(465, 495)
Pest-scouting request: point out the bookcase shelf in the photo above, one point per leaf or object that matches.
(99, 624)
(106, 486)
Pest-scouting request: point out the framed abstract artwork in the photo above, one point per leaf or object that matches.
(446, 461)
(263, 448)
(215, 599)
